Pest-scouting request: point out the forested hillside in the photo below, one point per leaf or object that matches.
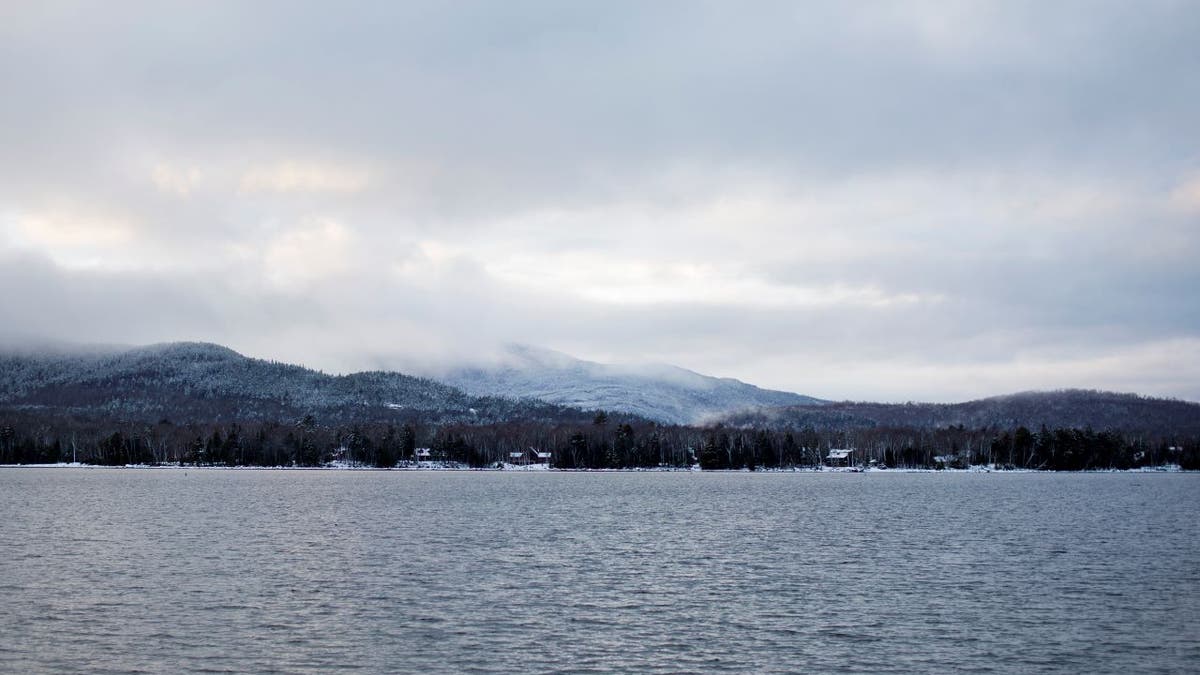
(186, 382)
(202, 404)
(1098, 410)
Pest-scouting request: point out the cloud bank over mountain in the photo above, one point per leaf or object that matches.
(891, 201)
(659, 392)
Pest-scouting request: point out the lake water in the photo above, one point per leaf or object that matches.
(305, 571)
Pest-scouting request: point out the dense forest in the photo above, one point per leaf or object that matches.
(190, 381)
(1075, 408)
(602, 443)
(203, 404)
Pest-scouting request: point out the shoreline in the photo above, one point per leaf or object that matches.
(1166, 468)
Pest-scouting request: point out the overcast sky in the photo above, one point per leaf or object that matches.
(865, 200)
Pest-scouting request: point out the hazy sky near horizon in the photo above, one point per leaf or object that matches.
(868, 200)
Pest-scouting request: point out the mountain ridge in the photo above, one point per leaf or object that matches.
(656, 391)
(1076, 408)
(197, 381)
(207, 381)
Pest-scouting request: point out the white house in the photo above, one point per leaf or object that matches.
(530, 456)
(840, 457)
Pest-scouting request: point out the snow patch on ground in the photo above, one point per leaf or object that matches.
(459, 466)
(505, 466)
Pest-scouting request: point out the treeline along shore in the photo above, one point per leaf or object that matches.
(603, 443)
(204, 404)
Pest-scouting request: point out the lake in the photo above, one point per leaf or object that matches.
(148, 570)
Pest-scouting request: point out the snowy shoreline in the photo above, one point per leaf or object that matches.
(542, 468)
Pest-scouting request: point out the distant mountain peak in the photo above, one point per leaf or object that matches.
(193, 350)
(516, 354)
(206, 382)
(657, 391)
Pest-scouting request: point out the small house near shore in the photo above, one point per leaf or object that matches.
(529, 456)
(840, 457)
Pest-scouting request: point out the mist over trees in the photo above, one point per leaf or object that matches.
(205, 382)
(658, 392)
(204, 405)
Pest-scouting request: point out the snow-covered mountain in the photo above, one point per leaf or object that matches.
(195, 381)
(660, 392)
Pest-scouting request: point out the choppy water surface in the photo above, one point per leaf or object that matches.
(301, 571)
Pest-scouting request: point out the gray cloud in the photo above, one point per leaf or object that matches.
(899, 200)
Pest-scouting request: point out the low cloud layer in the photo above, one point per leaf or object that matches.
(883, 201)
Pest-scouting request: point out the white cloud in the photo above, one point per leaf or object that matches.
(75, 238)
(612, 280)
(176, 180)
(315, 251)
(304, 177)
(903, 190)
(1185, 198)
(1163, 367)
(58, 229)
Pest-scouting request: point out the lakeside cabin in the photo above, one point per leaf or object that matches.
(530, 456)
(840, 457)
(423, 454)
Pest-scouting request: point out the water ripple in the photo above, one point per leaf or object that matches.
(298, 572)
